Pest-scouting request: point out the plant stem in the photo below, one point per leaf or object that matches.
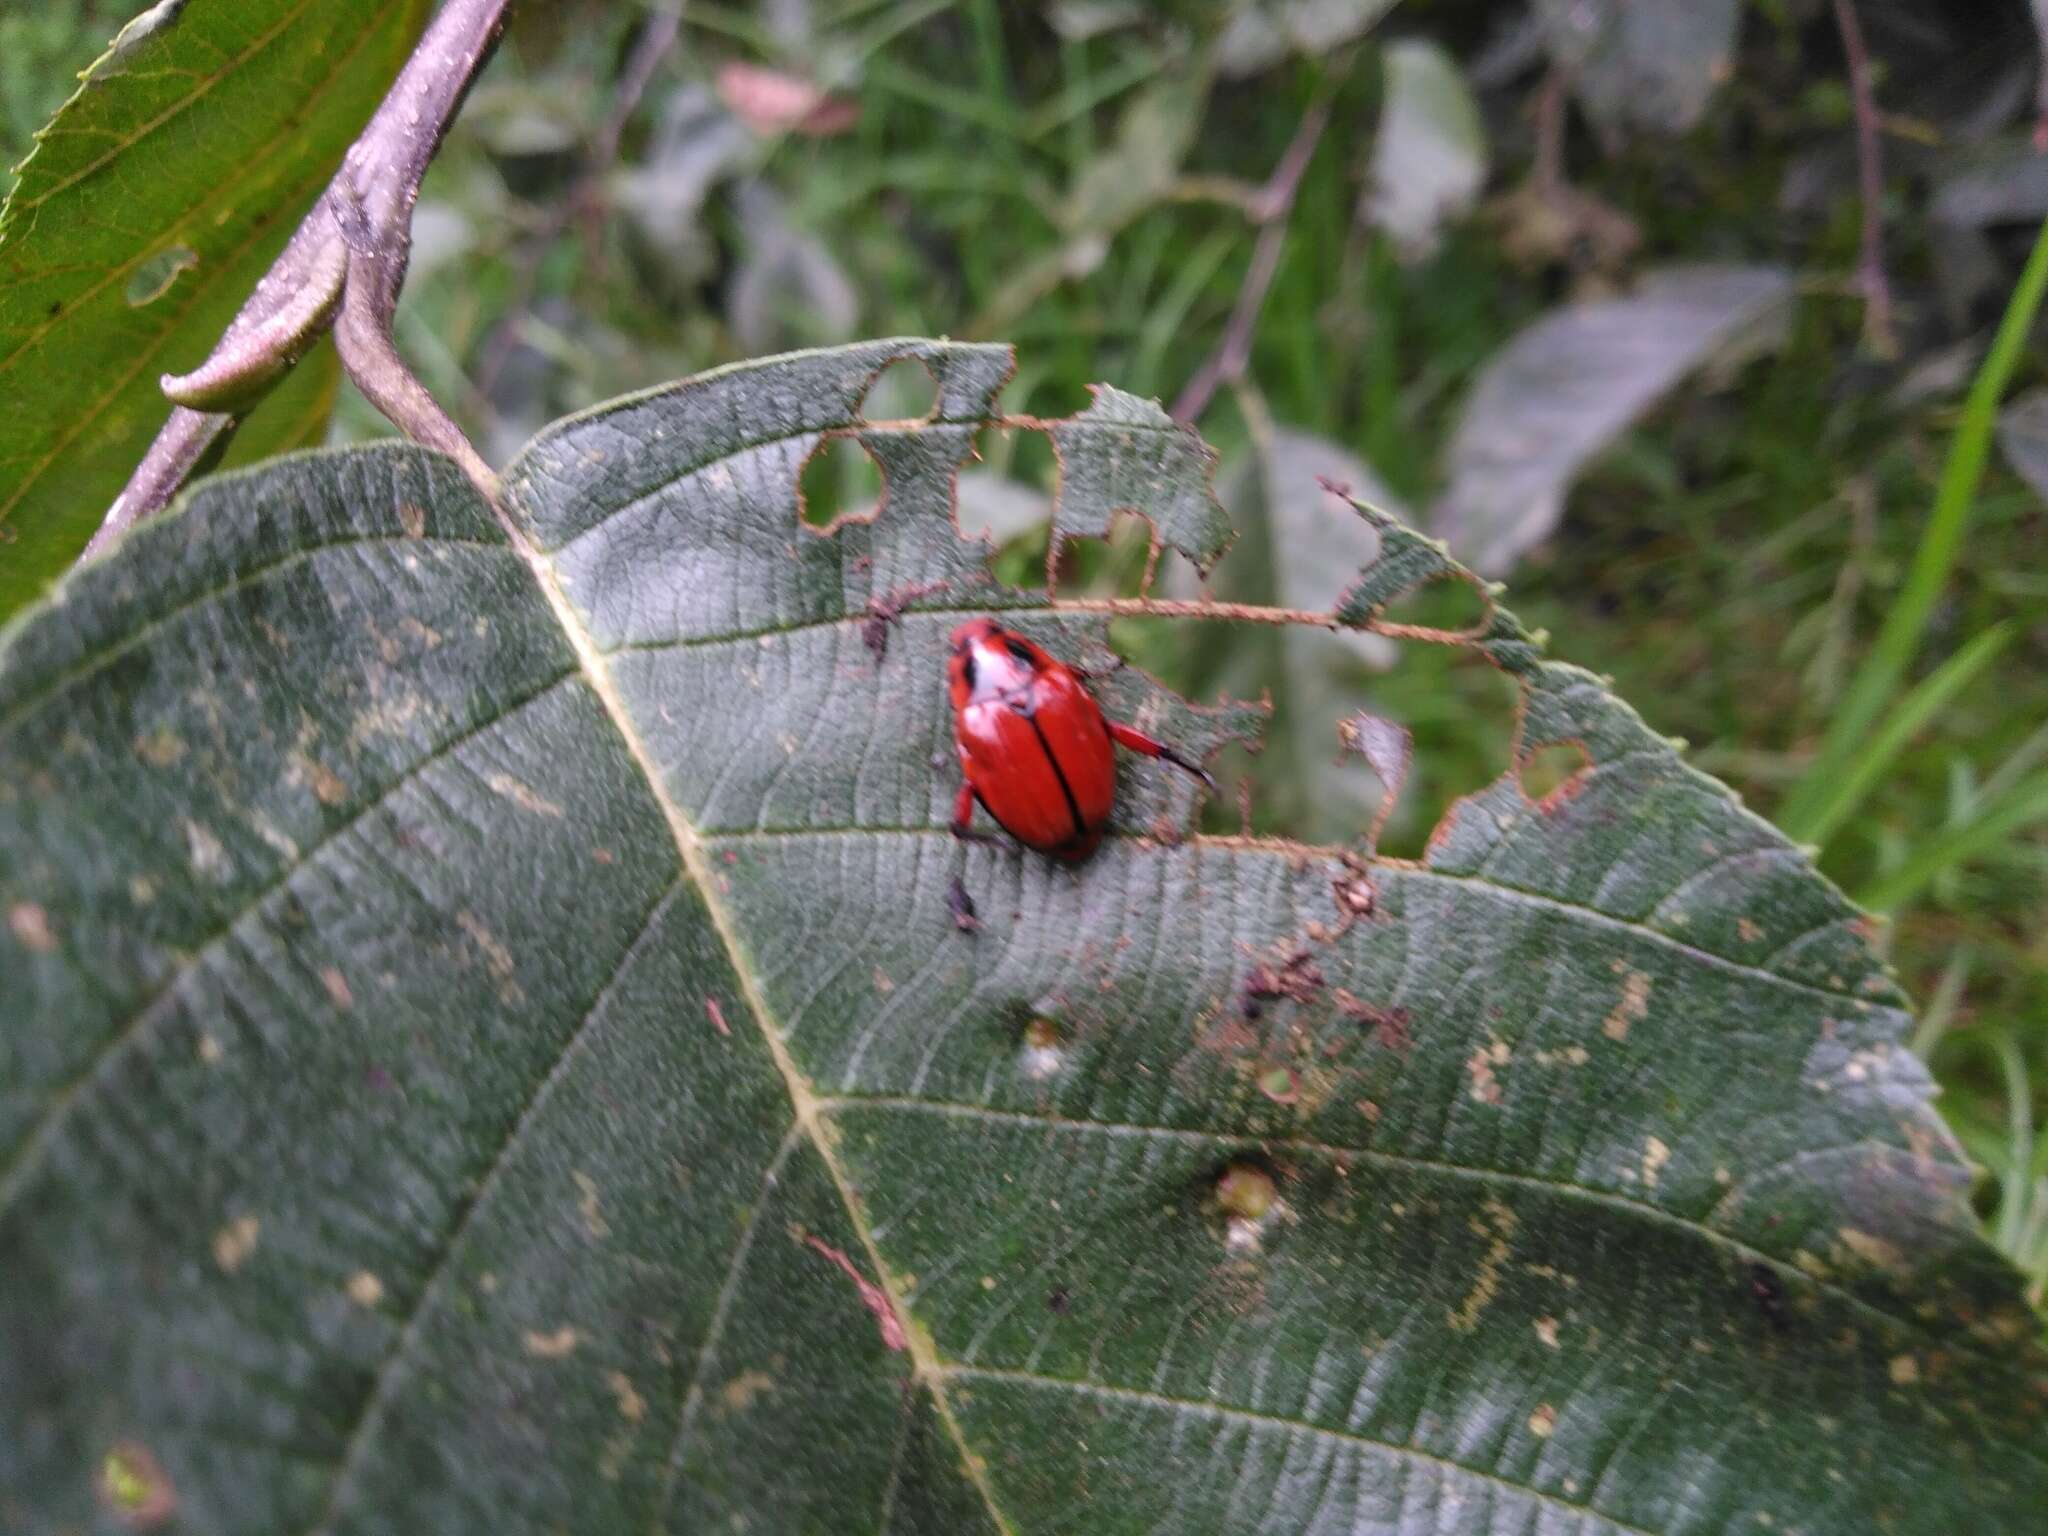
(662, 30)
(342, 269)
(1271, 207)
(183, 441)
(1870, 273)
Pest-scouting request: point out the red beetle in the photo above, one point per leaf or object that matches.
(1034, 747)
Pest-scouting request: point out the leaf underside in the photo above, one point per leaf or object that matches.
(480, 994)
(152, 204)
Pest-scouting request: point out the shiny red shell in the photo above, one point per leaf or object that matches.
(1034, 747)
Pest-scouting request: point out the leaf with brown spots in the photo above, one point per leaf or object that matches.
(441, 1125)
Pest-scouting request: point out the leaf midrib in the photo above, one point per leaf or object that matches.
(803, 1100)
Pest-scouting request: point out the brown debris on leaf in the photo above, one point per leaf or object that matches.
(1355, 894)
(887, 610)
(1297, 977)
(1389, 1025)
(961, 905)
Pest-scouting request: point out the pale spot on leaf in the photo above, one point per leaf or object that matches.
(30, 925)
(497, 958)
(233, 1243)
(274, 837)
(1497, 1224)
(632, 1406)
(1871, 1249)
(551, 1346)
(588, 1207)
(1480, 1066)
(1634, 1005)
(208, 857)
(1655, 1155)
(337, 988)
(746, 1389)
(1905, 1370)
(153, 277)
(364, 1288)
(523, 795)
(326, 784)
(1546, 1330)
(160, 748)
(1543, 1422)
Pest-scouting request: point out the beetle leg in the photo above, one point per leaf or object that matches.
(963, 817)
(1138, 741)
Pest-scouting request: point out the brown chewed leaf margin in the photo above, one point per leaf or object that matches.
(1573, 1175)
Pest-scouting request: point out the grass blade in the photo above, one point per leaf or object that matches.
(2025, 805)
(1927, 699)
(1878, 678)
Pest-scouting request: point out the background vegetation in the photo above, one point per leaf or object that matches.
(620, 205)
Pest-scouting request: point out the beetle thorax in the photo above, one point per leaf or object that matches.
(998, 675)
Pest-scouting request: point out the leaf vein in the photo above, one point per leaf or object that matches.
(20, 1158)
(846, 1103)
(371, 1414)
(721, 1309)
(1443, 1466)
(252, 576)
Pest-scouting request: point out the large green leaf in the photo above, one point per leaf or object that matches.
(152, 204)
(487, 1049)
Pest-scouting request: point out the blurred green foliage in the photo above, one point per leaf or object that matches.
(43, 48)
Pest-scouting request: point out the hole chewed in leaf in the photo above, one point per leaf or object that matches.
(1122, 562)
(903, 391)
(135, 1488)
(1125, 455)
(1550, 774)
(841, 482)
(1445, 608)
(153, 278)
